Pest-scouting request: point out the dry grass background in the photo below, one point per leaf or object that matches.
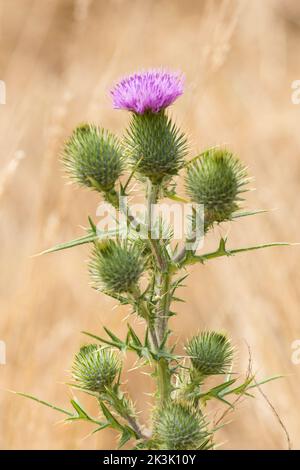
(58, 59)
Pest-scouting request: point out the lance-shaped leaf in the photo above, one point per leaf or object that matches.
(114, 340)
(70, 244)
(92, 235)
(80, 414)
(45, 403)
(223, 251)
(239, 214)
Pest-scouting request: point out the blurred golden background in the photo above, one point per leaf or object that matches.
(58, 60)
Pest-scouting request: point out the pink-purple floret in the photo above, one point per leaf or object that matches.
(152, 90)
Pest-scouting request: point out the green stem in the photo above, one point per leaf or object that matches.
(152, 196)
(163, 316)
(143, 312)
(164, 386)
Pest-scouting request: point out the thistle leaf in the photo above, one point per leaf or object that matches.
(134, 336)
(116, 344)
(114, 423)
(237, 215)
(64, 246)
(125, 437)
(222, 251)
(42, 402)
(82, 414)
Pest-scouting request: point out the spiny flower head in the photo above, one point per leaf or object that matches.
(155, 145)
(152, 90)
(116, 267)
(93, 157)
(179, 427)
(210, 352)
(95, 368)
(216, 180)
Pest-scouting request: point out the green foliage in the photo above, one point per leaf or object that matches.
(179, 427)
(156, 143)
(115, 266)
(210, 352)
(95, 368)
(216, 180)
(92, 157)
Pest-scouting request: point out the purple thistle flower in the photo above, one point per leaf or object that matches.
(152, 90)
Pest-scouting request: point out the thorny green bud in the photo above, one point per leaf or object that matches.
(93, 157)
(155, 143)
(95, 368)
(210, 352)
(216, 180)
(179, 427)
(116, 267)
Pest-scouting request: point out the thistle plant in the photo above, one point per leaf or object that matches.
(144, 272)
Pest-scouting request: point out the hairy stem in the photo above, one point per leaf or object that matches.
(152, 195)
(144, 313)
(164, 386)
(136, 427)
(163, 278)
(164, 308)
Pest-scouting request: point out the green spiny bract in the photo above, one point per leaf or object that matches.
(95, 368)
(179, 427)
(216, 180)
(210, 353)
(156, 145)
(93, 157)
(116, 267)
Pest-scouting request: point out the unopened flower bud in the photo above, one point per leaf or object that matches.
(95, 368)
(210, 353)
(92, 157)
(216, 180)
(179, 427)
(116, 267)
